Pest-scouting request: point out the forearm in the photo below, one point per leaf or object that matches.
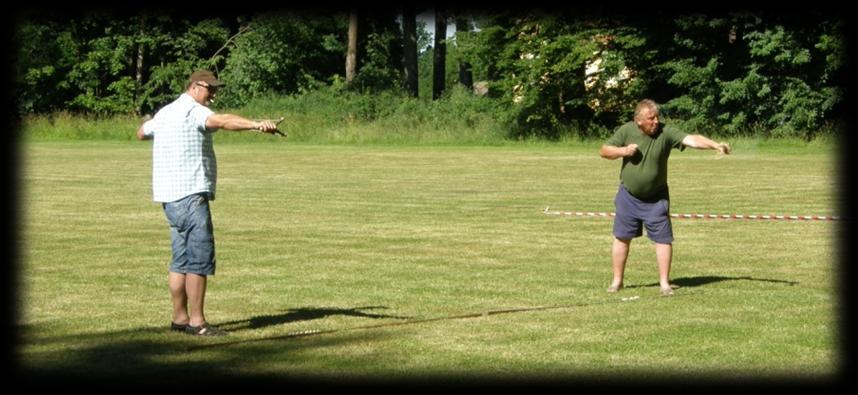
(141, 135)
(231, 122)
(700, 142)
(612, 152)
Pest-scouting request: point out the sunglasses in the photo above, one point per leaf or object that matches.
(212, 89)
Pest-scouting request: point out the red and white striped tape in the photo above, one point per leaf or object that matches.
(705, 216)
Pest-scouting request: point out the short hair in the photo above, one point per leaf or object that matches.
(646, 104)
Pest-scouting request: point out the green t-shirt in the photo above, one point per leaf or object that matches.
(645, 173)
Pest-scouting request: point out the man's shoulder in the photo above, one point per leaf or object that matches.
(672, 128)
(173, 105)
(628, 125)
(674, 132)
(184, 106)
(628, 128)
(622, 133)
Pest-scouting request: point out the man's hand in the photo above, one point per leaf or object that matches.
(630, 150)
(270, 126)
(140, 134)
(612, 152)
(266, 126)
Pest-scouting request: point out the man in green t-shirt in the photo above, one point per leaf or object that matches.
(643, 198)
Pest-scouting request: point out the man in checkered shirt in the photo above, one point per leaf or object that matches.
(184, 177)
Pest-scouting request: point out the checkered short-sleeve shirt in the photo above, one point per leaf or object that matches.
(183, 158)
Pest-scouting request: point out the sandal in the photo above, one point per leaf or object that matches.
(204, 330)
(178, 327)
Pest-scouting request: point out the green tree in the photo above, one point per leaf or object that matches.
(176, 48)
(284, 54)
(775, 74)
(90, 64)
(539, 64)
(380, 53)
(41, 64)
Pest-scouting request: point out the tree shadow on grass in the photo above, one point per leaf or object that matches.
(698, 281)
(156, 356)
(303, 314)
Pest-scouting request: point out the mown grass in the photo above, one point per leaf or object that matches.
(429, 262)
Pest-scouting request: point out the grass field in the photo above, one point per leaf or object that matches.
(397, 262)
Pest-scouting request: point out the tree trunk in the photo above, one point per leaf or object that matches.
(139, 66)
(466, 77)
(409, 30)
(440, 52)
(351, 55)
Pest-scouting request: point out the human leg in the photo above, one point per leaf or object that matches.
(195, 286)
(201, 259)
(664, 256)
(619, 254)
(627, 225)
(192, 237)
(660, 231)
(179, 297)
(176, 277)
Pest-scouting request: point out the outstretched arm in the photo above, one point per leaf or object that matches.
(140, 135)
(235, 122)
(612, 152)
(701, 142)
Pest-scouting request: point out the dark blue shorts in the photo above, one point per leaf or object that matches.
(633, 214)
(192, 235)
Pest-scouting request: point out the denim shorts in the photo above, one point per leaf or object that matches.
(633, 212)
(192, 235)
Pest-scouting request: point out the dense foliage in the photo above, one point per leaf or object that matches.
(780, 74)
(550, 74)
